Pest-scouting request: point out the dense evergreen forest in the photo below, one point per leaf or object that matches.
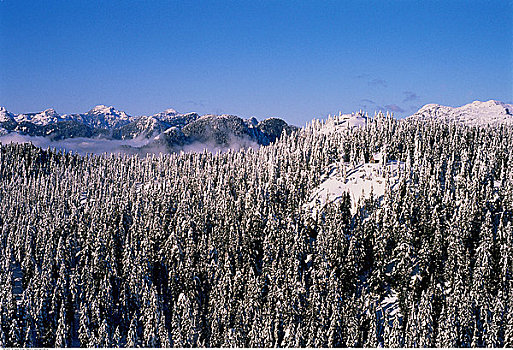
(210, 250)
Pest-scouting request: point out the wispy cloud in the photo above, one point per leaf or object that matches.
(219, 111)
(394, 108)
(378, 82)
(362, 76)
(410, 96)
(140, 146)
(80, 145)
(366, 100)
(195, 103)
(366, 103)
(372, 80)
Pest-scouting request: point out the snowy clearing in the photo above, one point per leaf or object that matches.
(359, 181)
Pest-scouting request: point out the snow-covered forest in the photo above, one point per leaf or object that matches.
(232, 249)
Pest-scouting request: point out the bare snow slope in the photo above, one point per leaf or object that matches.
(476, 113)
(359, 181)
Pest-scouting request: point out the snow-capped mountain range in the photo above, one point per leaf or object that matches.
(476, 113)
(174, 130)
(168, 128)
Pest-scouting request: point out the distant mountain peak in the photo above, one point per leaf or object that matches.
(170, 111)
(477, 113)
(50, 112)
(5, 115)
(104, 117)
(103, 109)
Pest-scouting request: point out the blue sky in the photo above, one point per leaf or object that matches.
(297, 60)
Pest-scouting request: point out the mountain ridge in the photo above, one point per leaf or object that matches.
(106, 122)
(172, 131)
(477, 113)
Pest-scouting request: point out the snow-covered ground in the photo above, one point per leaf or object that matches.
(359, 181)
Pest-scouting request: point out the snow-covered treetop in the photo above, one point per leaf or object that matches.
(344, 121)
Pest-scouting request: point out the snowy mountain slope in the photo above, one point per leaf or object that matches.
(173, 136)
(359, 181)
(476, 113)
(216, 128)
(5, 115)
(142, 127)
(7, 121)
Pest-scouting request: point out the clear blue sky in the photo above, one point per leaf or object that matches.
(291, 59)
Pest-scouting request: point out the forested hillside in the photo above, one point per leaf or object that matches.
(202, 249)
